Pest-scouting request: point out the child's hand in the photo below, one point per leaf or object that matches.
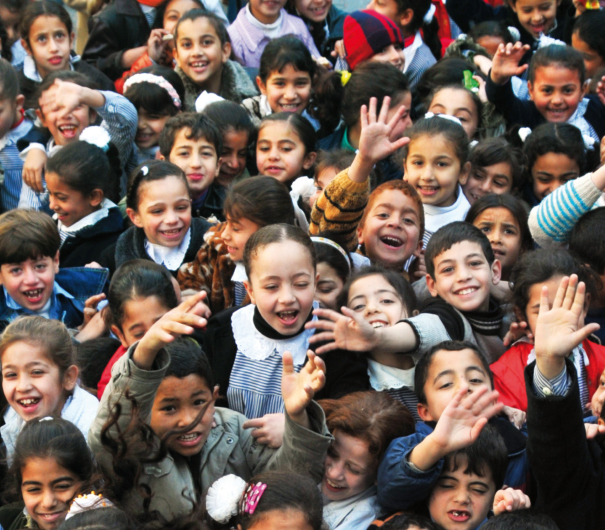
(157, 47)
(593, 429)
(298, 389)
(94, 329)
(515, 332)
(33, 169)
(559, 329)
(268, 430)
(515, 416)
(182, 320)
(482, 84)
(506, 62)
(349, 331)
(339, 49)
(509, 500)
(419, 266)
(602, 151)
(62, 97)
(90, 307)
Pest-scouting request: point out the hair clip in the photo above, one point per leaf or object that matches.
(523, 133)
(252, 497)
(96, 135)
(470, 83)
(344, 78)
(46, 418)
(333, 244)
(154, 80)
(429, 115)
(90, 501)
(145, 170)
(206, 98)
(223, 498)
(589, 142)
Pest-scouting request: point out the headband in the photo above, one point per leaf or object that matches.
(91, 501)
(96, 135)
(335, 245)
(429, 115)
(154, 80)
(224, 496)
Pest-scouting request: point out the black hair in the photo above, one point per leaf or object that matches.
(100, 519)
(43, 8)
(371, 79)
(491, 28)
(84, 167)
(150, 171)
(421, 373)
(70, 76)
(589, 27)
(556, 54)
(161, 12)
(229, 116)
(513, 205)
(520, 520)
(285, 491)
(497, 150)
(263, 200)
(6, 52)
(402, 287)
(27, 234)
(9, 81)
(487, 453)
(447, 236)
(276, 233)
(215, 22)
(339, 159)
(405, 521)
(92, 356)
(138, 279)
(152, 98)
(325, 253)
(199, 126)
(284, 51)
(561, 138)
(302, 127)
(587, 239)
(542, 265)
(474, 97)
(187, 358)
(54, 438)
(436, 126)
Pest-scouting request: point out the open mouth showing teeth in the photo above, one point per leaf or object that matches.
(188, 437)
(199, 64)
(289, 107)
(378, 324)
(29, 402)
(467, 291)
(460, 514)
(34, 293)
(332, 485)
(171, 233)
(67, 130)
(391, 241)
(288, 316)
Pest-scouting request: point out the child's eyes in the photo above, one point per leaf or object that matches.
(10, 375)
(478, 176)
(15, 271)
(409, 221)
(354, 471)
(476, 381)
(544, 180)
(486, 229)
(37, 372)
(447, 270)
(302, 285)
(358, 307)
(325, 290)
(207, 42)
(500, 184)
(510, 231)
(33, 490)
(199, 402)
(41, 266)
(168, 408)
(479, 491)
(476, 263)
(387, 301)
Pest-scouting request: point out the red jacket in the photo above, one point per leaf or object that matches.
(509, 379)
(106, 376)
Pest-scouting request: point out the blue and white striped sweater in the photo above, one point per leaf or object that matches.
(12, 165)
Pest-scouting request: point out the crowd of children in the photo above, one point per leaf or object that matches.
(269, 265)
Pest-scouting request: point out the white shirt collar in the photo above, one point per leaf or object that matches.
(239, 274)
(30, 70)
(386, 377)
(89, 220)
(171, 257)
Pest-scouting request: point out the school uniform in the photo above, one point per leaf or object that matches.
(418, 59)
(210, 203)
(354, 513)
(436, 217)
(11, 163)
(396, 382)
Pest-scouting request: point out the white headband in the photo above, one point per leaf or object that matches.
(335, 245)
(154, 80)
(444, 116)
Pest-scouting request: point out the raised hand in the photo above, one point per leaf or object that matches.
(515, 416)
(157, 46)
(33, 169)
(62, 97)
(349, 331)
(268, 430)
(505, 63)
(298, 389)
(516, 331)
(90, 307)
(509, 500)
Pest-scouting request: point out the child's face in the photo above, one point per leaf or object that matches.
(502, 229)
(393, 54)
(70, 205)
(198, 160)
(551, 171)
(290, 519)
(234, 156)
(490, 43)
(389, 9)
(329, 286)
(377, 300)
(592, 60)
(288, 90)
(448, 372)
(497, 178)
(314, 10)
(164, 211)
(139, 315)
(48, 489)
(9, 113)
(463, 277)
(282, 285)
(175, 10)
(556, 91)
(322, 179)
(149, 128)
(199, 52)
(598, 398)
(391, 231)
(266, 11)
(32, 383)
(49, 44)
(11, 20)
(31, 282)
(177, 404)
(459, 500)
(349, 468)
(458, 103)
(236, 234)
(536, 16)
(66, 128)
(405, 122)
(434, 169)
(280, 153)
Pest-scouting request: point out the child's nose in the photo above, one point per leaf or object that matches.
(49, 500)
(29, 275)
(171, 216)
(274, 153)
(286, 295)
(23, 383)
(195, 161)
(462, 496)
(231, 161)
(334, 470)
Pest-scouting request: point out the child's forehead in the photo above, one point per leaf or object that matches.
(196, 28)
(395, 199)
(533, 3)
(185, 136)
(460, 251)
(556, 74)
(457, 466)
(459, 361)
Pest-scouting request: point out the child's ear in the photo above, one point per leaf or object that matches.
(226, 52)
(96, 197)
(423, 412)
(26, 47)
(219, 162)
(496, 272)
(530, 90)
(41, 117)
(309, 160)
(92, 116)
(162, 157)
(215, 392)
(430, 283)
(360, 235)
(118, 333)
(405, 18)
(19, 102)
(250, 291)
(464, 173)
(56, 262)
(70, 378)
(261, 86)
(418, 249)
(134, 217)
(513, 5)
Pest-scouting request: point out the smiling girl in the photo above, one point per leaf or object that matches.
(47, 37)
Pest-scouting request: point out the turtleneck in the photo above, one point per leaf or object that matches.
(263, 327)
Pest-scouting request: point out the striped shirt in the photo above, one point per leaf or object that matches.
(12, 165)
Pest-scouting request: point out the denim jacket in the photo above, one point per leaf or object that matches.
(73, 286)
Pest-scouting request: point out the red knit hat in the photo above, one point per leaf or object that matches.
(366, 33)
